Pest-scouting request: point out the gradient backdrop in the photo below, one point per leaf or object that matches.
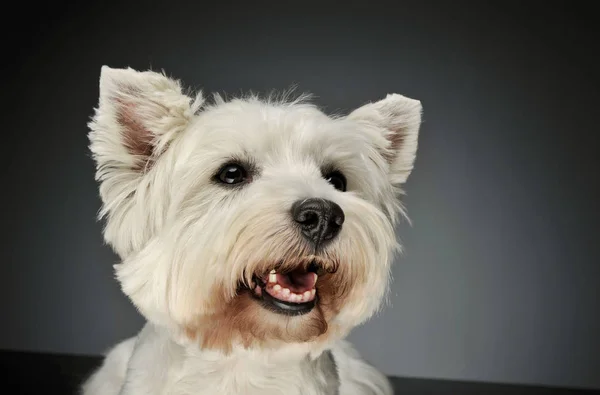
(501, 276)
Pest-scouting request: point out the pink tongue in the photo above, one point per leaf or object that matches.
(297, 281)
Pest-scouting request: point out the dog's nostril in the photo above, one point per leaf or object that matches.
(308, 218)
(319, 219)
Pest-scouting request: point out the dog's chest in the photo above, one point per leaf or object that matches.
(317, 377)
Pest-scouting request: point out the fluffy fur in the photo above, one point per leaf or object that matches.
(190, 246)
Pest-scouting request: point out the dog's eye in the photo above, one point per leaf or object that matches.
(232, 174)
(337, 179)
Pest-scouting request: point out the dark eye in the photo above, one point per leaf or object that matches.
(232, 174)
(337, 179)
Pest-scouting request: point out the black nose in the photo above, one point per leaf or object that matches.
(320, 220)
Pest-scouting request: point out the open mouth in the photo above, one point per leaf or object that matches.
(290, 293)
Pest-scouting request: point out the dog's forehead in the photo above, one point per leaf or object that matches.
(275, 132)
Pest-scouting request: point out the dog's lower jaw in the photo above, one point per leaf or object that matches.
(153, 363)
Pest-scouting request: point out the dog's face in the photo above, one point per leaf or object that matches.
(248, 222)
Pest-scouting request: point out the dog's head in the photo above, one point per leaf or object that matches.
(249, 222)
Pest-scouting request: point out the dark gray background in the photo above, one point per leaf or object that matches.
(501, 276)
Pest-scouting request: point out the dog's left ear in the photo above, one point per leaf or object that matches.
(399, 119)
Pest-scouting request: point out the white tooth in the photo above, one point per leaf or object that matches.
(285, 292)
(273, 271)
(297, 298)
(306, 295)
(277, 288)
(313, 292)
(272, 278)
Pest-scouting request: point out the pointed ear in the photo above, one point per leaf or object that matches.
(398, 119)
(138, 115)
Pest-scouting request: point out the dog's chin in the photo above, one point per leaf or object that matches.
(292, 301)
(287, 292)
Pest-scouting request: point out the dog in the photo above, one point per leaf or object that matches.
(253, 234)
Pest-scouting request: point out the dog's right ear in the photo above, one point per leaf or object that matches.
(138, 115)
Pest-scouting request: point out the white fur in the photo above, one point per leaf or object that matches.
(179, 234)
(160, 366)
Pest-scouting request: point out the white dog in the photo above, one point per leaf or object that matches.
(253, 236)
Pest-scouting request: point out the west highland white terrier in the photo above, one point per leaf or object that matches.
(253, 235)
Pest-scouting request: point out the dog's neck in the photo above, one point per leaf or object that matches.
(272, 353)
(187, 367)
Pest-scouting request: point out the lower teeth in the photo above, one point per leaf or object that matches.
(286, 295)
